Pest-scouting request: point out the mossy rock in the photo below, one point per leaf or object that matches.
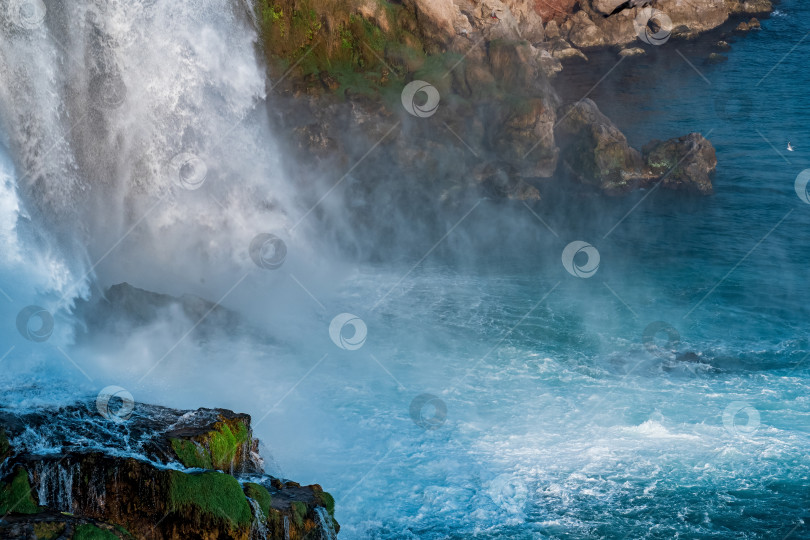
(88, 531)
(326, 500)
(212, 494)
(48, 530)
(259, 493)
(218, 448)
(16, 496)
(299, 511)
(192, 454)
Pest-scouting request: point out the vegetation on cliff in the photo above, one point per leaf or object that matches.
(211, 493)
(16, 495)
(259, 493)
(338, 45)
(219, 448)
(92, 494)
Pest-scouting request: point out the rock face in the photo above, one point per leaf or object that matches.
(159, 474)
(492, 64)
(597, 154)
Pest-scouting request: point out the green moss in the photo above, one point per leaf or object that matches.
(225, 443)
(214, 450)
(326, 500)
(299, 510)
(259, 493)
(16, 496)
(91, 532)
(191, 454)
(315, 37)
(211, 493)
(48, 530)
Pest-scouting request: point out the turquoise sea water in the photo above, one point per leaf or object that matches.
(561, 420)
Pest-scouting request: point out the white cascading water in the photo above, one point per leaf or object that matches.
(141, 152)
(139, 135)
(325, 522)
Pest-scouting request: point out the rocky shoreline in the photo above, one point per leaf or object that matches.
(500, 128)
(99, 470)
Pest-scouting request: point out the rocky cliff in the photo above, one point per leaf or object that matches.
(115, 469)
(495, 124)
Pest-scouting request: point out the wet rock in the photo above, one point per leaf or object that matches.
(131, 479)
(715, 58)
(562, 50)
(595, 151)
(682, 163)
(753, 24)
(723, 45)
(632, 51)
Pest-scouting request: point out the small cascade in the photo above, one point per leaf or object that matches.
(286, 528)
(55, 488)
(258, 530)
(325, 523)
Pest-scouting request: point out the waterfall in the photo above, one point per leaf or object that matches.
(286, 528)
(326, 526)
(55, 487)
(258, 529)
(138, 121)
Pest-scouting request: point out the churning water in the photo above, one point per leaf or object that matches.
(548, 412)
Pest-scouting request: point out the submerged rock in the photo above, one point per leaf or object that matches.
(159, 474)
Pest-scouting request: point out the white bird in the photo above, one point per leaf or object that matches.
(790, 148)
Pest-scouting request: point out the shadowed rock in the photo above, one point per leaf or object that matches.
(596, 153)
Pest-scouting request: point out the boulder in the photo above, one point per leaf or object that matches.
(632, 51)
(744, 26)
(683, 163)
(582, 32)
(595, 151)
